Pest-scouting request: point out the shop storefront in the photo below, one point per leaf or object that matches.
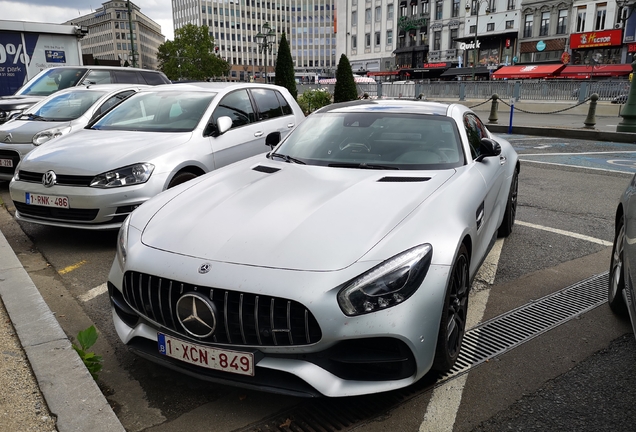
(491, 50)
(597, 47)
(427, 71)
(543, 51)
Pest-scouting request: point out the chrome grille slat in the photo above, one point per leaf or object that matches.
(243, 319)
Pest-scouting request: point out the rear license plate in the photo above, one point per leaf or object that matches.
(7, 163)
(47, 200)
(212, 358)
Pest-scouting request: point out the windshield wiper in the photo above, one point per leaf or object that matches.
(287, 158)
(33, 117)
(362, 166)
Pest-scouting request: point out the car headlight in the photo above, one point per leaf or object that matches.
(47, 135)
(386, 284)
(122, 243)
(126, 176)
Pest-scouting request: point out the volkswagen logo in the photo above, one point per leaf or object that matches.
(49, 179)
(196, 314)
(204, 268)
(8, 138)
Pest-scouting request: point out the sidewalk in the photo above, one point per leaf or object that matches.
(68, 390)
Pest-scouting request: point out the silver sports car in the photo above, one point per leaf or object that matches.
(338, 264)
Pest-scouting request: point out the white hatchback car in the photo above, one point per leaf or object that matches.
(156, 139)
(61, 113)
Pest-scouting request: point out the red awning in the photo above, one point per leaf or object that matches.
(603, 70)
(528, 71)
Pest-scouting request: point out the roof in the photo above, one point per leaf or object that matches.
(215, 86)
(104, 67)
(392, 105)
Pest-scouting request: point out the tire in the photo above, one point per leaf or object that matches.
(510, 213)
(181, 177)
(617, 272)
(453, 323)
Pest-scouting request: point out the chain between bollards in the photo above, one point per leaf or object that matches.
(590, 121)
(492, 118)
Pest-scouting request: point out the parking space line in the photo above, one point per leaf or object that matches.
(91, 294)
(442, 408)
(565, 233)
(72, 267)
(630, 173)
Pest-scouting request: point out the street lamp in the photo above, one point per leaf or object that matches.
(266, 42)
(477, 4)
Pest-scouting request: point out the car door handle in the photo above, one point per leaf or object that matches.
(290, 125)
(258, 134)
(502, 160)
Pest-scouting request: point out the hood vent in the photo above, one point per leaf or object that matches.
(403, 179)
(265, 169)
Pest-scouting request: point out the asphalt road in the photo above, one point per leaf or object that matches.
(578, 376)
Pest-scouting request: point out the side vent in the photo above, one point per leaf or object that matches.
(403, 179)
(265, 169)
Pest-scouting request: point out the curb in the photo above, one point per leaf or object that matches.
(68, 388)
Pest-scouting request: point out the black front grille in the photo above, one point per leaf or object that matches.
(15, 158)
(245, 319)
(61, 179)
(43, 212)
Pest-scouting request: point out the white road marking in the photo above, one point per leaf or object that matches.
(441, 410)
(582, 153)
(532, 139)
(565, 233)
(91, 294)
(573, 166)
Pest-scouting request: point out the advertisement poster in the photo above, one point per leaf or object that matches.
(23, 55)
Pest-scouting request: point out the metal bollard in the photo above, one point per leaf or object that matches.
(590, 121)
(492, 118)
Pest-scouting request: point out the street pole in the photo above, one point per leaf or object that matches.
(468, 9)
(132, 41)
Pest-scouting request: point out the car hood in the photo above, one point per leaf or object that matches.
(91, 152)
(22, 131)
(297, 218)
(8, 103)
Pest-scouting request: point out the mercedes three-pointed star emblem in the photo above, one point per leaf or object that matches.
(196, 314)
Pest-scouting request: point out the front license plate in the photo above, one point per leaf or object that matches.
(47, 200)
(212, 358)
(7, 163)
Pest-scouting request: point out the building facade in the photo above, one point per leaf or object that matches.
(110, 29)
(309, 26)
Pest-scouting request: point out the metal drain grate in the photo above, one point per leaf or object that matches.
(491, 338)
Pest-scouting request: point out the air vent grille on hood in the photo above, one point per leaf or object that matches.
(265, 169)
(403, 179)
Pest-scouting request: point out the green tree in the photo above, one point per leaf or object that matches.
(285, 67)
(191, 55)
(345, 89)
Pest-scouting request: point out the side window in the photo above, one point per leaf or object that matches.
(97, 77)
(237, 106)
(127, 77)
(154, 78)
(287, 110)
(112, 101)
(475, 132)
(267, 103)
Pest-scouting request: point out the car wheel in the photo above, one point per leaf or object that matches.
(510, 213)
(616, 273)
(181, 177)
(453, 323)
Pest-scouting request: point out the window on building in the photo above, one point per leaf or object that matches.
(492, 6)
(377, 39)
(580, 19)
(490, 27)
(455, 10)
(562, 22)
(452, 38)
(354, 18)
(414, 9)
(354, 42)
(601, 11)
(437, 41)
(439, 9)
(389, 12)
(472, 29)
(527, 26)
(425, 8)
(545, 24)
(367, 16)
(389, 37)
(511, 4)
(367, 40)
(378, 13)
(403, 10)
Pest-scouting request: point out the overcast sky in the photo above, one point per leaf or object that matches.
(59, 11)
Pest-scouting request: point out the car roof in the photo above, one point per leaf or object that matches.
(390, 105)
(212, 86)
(104, 67)
(101, 87)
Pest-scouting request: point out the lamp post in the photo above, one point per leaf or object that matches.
(477, 4)
(266, 41)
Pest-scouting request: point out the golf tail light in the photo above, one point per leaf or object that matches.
(387, 284)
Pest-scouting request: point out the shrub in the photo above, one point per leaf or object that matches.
(345, 89)
(311, 100)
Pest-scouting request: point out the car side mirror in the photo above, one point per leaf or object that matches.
(272, 139)
(222, 125)
(488, 148)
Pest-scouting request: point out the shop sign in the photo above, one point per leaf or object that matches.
(631, 47)
(540, 45)
(469, 46)
(565, 58)
(596, 39)
(429, 66)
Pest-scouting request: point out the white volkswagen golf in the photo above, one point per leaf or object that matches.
(156, 139)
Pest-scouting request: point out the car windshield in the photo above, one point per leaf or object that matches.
(374, 140)
(51, 81)
(64, 107)
(165, 111)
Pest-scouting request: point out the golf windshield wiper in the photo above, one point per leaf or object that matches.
(33, 117)
(362, 166)
(287, 158)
